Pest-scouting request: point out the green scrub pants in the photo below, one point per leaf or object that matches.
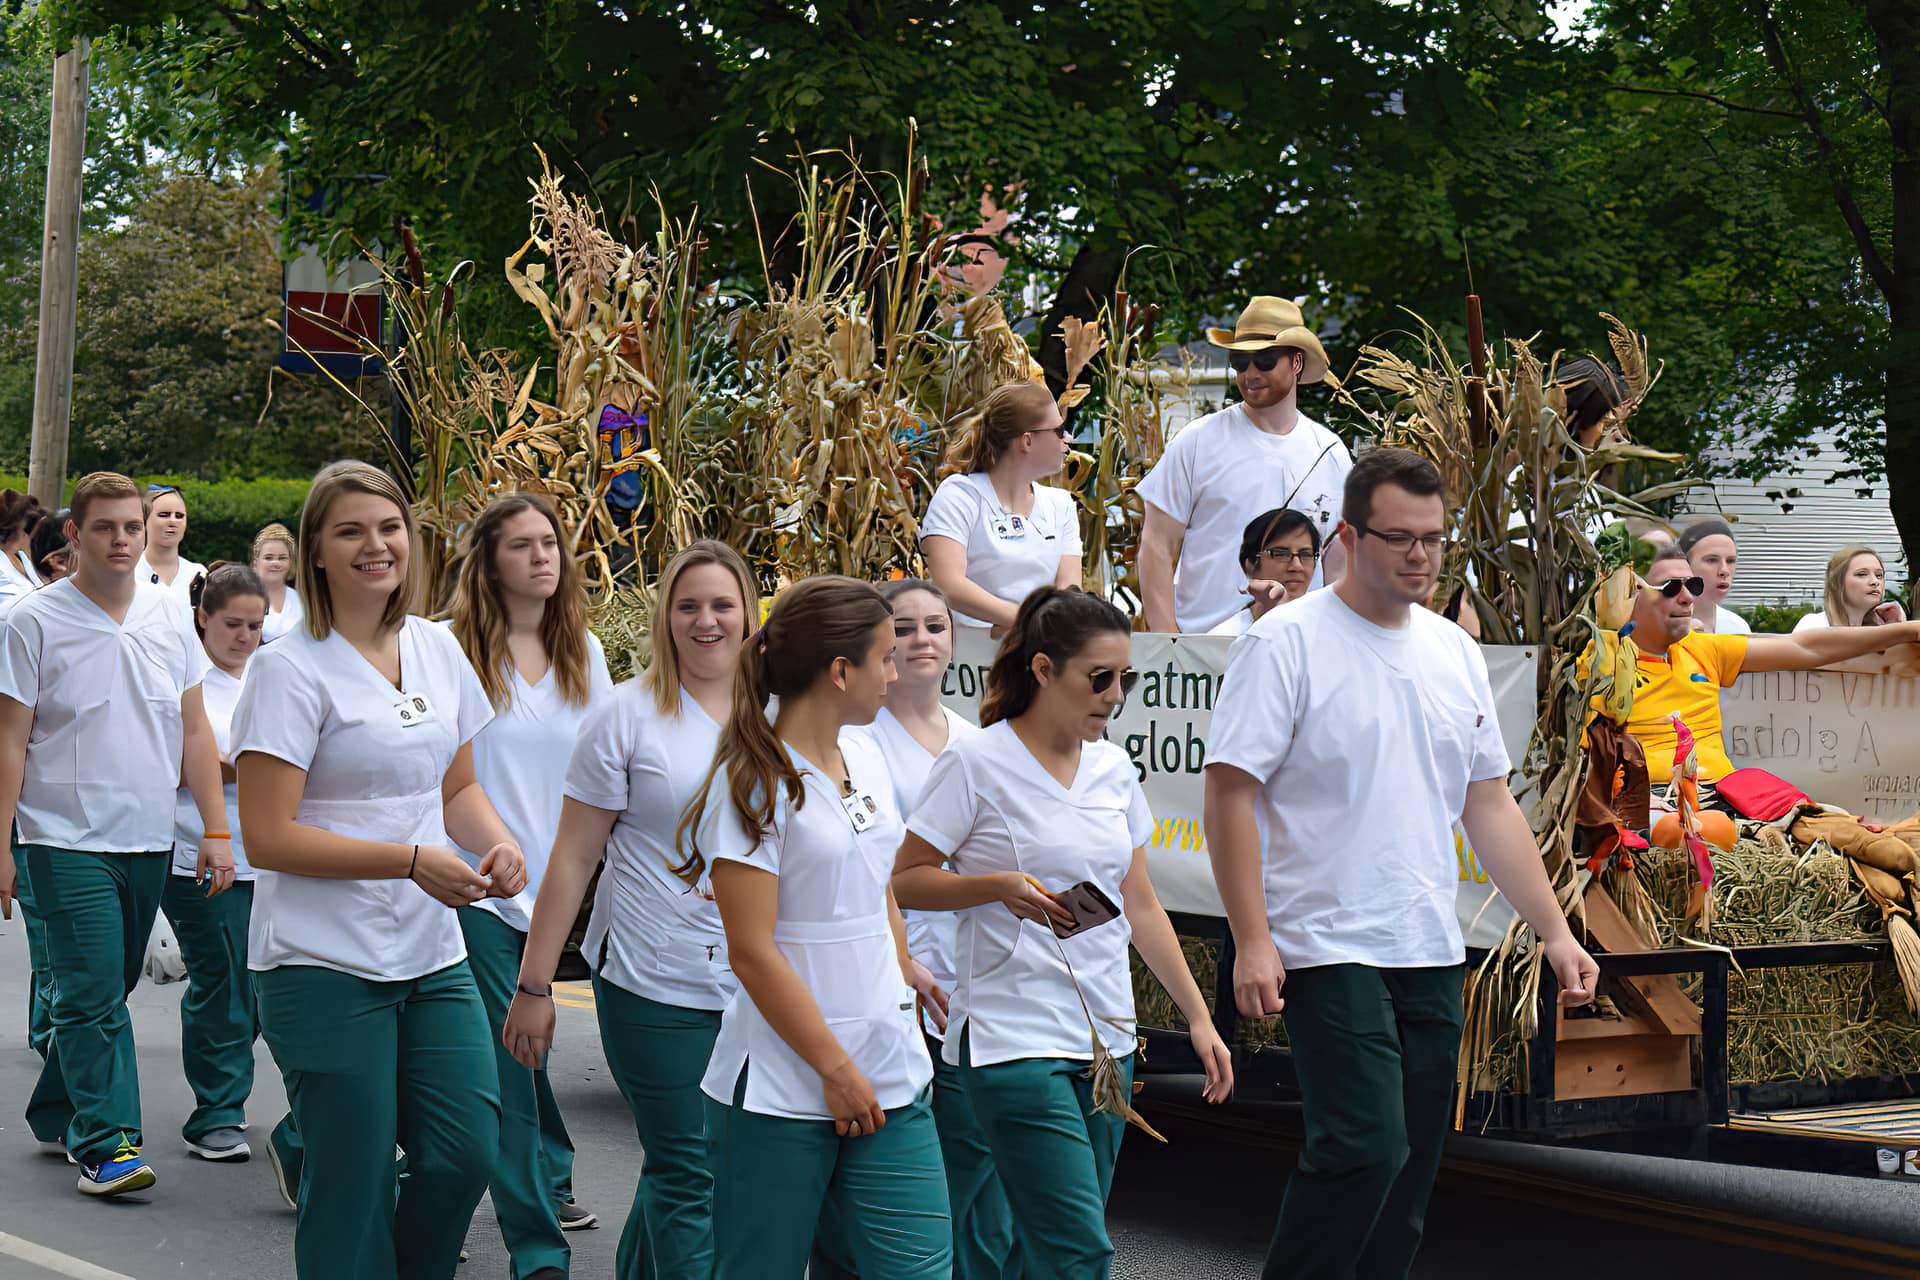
(218, 1024)
(1055, 1156)
(39, 970)
(657, 1053)
(97, 910)
(1375, 1053)
(879, 1199)
(368, 1064)
(525, 1173)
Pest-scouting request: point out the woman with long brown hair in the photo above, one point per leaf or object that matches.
(353, 741)
(655, 942)
(818, 1090)
(520, 614)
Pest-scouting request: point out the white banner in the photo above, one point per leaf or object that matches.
(1842, 737)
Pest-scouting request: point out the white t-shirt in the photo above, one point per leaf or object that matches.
(1009, 556)
(833, 928)
(181, 587)
(24, 558)
(520, 759)
(1815, 621)
(931, 935)
(990, 806)
(375, 758)
(103, 756)
(1365, 740)
(221, 693)
(289, 616)
(1234, 624)
(15, 584)
(1728, 623)
(651, 933)
(1220, 472)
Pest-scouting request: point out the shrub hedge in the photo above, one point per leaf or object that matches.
(222, 515)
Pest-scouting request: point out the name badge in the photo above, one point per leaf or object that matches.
(861, 810)
(414, 710)
(1009, 526)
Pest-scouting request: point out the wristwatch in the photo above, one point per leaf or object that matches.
(543, 993)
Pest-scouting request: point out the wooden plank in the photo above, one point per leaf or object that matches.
(1657, 997)
(1622, 1066)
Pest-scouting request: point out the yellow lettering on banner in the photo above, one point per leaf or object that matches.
(1470, 868)
(1179, 833)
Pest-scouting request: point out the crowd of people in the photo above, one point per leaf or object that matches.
(861, 966)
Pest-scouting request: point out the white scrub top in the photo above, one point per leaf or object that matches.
(221, 692)
(289, 618)
(990, 806)
(651, 933)
(375, 757)
(103, 757)
(832, 926)
(521, 759)
(1008, 556)
(24, 558)
(931, 935)
(181, 587)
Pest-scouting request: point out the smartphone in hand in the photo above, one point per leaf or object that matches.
(1090, 906)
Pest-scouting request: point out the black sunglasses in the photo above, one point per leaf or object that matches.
(1694, 587)
(1261, 360)
(1101, 678)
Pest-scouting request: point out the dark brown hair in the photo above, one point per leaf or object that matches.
(1402, 468)
(1056, 621)
(219, 585)
(480, 616)
(1009, 412)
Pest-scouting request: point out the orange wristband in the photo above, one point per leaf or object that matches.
(215, 835)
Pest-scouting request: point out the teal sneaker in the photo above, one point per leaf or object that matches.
(119, 1173)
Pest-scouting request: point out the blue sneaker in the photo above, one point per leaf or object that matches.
(118, 1174)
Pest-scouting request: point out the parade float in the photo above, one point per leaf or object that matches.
(1760, 1006)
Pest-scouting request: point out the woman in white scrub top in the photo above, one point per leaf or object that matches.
(353, 741)
(161, 564)
(655, 943)
(520, 613)
(16, 568)
(819, 1116)
(993, 532)
(274, 552)
(217, 1021)
(1034, 826)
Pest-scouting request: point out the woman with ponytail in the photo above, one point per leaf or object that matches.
(655, 941)
(1035, 831)
(217, 1021)
(993, 532)
(820, 1120)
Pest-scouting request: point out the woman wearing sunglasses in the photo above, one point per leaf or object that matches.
(993, 532)
(1035, 831)
(1279, 551)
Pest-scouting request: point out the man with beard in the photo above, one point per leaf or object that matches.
(1226, 468)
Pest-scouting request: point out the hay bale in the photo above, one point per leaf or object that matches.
(1155, 1008)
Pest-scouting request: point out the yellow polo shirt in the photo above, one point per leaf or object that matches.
(1669, 684)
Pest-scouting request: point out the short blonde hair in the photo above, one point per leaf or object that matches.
(277, 532)
(336, 479)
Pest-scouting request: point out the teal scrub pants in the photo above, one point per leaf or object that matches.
(368, 1064)
(1055, 1156)
(879, 1200)
(218, 1024)
(1375, 1051)
(657, 1054)
(39, 970)
(525, 1174)
(97, 910)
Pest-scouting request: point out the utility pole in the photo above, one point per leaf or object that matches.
(59, 278)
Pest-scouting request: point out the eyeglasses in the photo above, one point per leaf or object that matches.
(1693, 587)
(1101, 678)
(1281, 555)
(1432, 543)
(1261, 360)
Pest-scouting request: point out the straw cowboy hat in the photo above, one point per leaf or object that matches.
(1274, 322)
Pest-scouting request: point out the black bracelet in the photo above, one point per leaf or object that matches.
(526, 990)
(411, 866)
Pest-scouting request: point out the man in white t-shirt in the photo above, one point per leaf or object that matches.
(1349, 909)
(1222, 470)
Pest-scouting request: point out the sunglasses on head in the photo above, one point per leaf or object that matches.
(1261, 360)
(1672, 587)
(1101, 678)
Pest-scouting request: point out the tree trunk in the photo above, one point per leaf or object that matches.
(1896, 26)
(1089, 284)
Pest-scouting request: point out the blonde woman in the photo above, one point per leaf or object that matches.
(1856, 593)
(655, 943)
(520, 613)
(353, 741)
(161, 564)
(274, 552)
(993, 532)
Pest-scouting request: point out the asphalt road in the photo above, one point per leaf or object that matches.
(1201, 1207)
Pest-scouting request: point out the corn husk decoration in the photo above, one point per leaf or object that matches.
(1886, 863)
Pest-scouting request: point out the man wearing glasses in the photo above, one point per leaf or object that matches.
(1222, 470)
(1683, 670)
(1360, 727)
